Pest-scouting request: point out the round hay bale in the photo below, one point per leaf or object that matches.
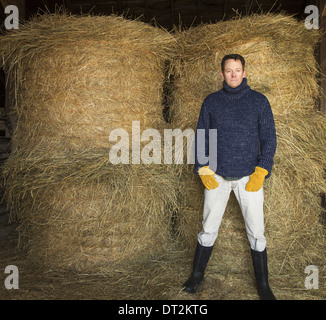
(293, 194)
(90, 221)
(79, 78)
(273, 45)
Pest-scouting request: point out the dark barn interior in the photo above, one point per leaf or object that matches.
(169, 13)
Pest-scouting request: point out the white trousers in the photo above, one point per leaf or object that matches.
(251, 204)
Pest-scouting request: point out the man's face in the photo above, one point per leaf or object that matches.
(233, 73)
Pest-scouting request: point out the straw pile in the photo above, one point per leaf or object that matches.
(77, 79)
(279, 53)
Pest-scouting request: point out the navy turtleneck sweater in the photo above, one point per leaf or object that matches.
(243, 134)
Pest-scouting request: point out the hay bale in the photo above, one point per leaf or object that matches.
(273, 46)
(294, 231)
(116, 215)
(79, 78)
(293, 194)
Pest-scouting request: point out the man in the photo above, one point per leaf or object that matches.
(244, 147)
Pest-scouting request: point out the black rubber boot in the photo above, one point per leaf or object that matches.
(259, 260)
(202, 255)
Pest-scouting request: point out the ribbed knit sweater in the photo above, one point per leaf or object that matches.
(245, 132)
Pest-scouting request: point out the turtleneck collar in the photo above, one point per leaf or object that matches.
(238, 91)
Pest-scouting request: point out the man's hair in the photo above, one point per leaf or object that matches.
(234, 57)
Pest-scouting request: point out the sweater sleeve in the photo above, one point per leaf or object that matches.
(267, 139)
(202, 138)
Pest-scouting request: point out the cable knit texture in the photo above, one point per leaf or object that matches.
(245, 130)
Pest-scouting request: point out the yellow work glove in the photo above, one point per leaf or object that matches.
(256, 179)
(207, 177)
